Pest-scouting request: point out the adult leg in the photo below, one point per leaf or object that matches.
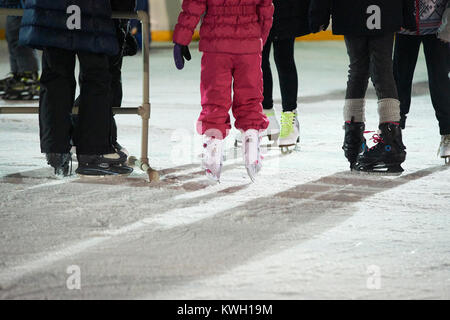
(115, 68)
(247, 87)
(56, 99)
(287, 73)
(437, 55)
(381, 48)
(22, 59)
(358, 78)
(94, 124)
(406, 53)
(267, 76)
(215, 87)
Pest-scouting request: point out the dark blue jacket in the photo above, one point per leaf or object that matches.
(44, 24)
(11, 3)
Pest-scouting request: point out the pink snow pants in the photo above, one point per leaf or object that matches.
(221, 71)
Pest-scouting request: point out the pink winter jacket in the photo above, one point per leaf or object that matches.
(228, 26)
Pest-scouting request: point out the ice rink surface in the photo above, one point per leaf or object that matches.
(308, 228)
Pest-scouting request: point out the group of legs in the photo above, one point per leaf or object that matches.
(23, 81)
(370, 58)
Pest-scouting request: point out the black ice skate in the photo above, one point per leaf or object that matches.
(61, 163)
(353, 141)
(7, 82)
(387, 155)
(25, 87)
(103, 165)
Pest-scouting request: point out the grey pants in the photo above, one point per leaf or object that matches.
(371, 57)
(22, 59)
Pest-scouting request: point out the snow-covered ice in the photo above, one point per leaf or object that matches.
(306, 229)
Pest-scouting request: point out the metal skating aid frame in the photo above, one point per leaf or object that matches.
(143, 111)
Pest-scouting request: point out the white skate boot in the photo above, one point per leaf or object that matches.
(272, 132)
(212, 158)
(252, 153)
(444, 149)
(290, 131)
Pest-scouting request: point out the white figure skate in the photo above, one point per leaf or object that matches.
(212, 158)
(444, 149)
(272, 132)
(252, 153)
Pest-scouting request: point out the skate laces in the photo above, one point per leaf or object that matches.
(376, 138)
(287, 123)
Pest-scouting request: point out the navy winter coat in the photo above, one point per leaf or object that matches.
(350, 16)
(10, 4)
(44, 24)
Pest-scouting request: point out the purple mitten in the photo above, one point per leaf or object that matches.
(179, 54)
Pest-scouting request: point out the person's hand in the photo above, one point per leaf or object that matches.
(179, 54)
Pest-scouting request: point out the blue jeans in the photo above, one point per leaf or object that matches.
(22, 59)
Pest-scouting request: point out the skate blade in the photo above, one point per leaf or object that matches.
(252, 171)
(395, 170)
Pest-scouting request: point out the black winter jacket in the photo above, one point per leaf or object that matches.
(290, 19)
(361, 17)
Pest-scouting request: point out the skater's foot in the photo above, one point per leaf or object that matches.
(25, 87)
(120, 148)
(273, 130)
(290, 131)
(252, 153)
(61, 162)
(103, 165)
(5, 83)
(387, 155)
(212, 158)
(116, 158)
(353, 141)
(444, 148)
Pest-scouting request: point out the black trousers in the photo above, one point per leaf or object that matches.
(92, 135)
(437, 56)
(116, 92)
(370, 57)
(283, 51)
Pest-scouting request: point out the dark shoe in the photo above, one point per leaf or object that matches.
(60, 162)
(387, 155)
(353, 140)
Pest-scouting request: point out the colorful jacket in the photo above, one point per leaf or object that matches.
(428, 15)
(231, 26)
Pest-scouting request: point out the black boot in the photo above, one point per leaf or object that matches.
(353, 140)
(103, 165)
(8, 81)
(60, 162)
(387, 155)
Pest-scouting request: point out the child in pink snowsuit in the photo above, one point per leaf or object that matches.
(232, 36)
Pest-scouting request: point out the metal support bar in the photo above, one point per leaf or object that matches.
(35, 110)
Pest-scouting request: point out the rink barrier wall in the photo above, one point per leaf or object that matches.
(143, 111)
